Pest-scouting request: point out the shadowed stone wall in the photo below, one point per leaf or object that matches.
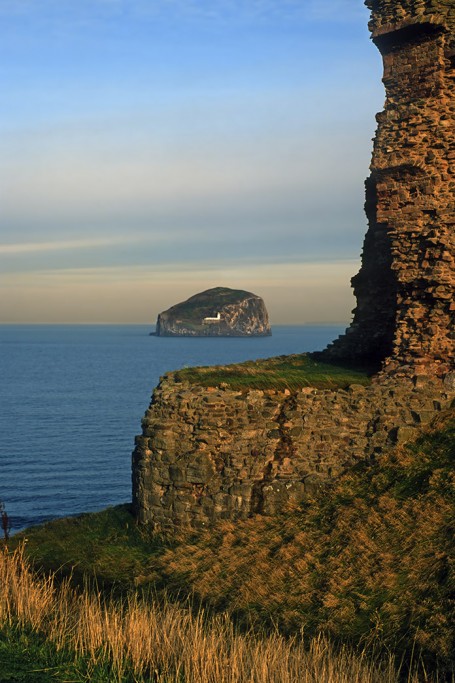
(405, 288)
(213, 453)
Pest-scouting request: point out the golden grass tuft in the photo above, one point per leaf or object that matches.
(137, 640)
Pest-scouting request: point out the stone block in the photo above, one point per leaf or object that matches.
(402, 434)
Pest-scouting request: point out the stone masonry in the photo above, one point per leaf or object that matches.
(207, 454)
(405, 288)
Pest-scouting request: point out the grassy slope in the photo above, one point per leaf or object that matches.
(107, 545)
(369, 560)
(50, 632)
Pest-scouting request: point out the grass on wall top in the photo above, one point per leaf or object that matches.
(292, 372)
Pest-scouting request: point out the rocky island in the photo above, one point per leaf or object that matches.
(217, 312)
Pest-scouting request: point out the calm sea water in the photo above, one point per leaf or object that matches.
(72, 398)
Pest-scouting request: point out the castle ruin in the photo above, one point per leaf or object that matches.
(207, 454)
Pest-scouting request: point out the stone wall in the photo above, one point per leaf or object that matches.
(213, 453)
(405, 288)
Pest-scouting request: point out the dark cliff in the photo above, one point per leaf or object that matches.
(217, 312)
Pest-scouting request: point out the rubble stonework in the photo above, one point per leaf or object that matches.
(213, 453)
(405, 288)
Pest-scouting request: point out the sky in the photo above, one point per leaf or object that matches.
(151, 149)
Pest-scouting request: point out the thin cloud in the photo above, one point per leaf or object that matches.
(34, 247)
(287, 273)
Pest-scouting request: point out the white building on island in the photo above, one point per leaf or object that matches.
(212, 320)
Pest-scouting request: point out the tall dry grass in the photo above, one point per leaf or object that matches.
(167, 643)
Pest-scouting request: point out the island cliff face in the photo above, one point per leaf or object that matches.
(217, 312)
(211, 453)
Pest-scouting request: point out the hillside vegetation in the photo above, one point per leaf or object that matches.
(50, 632)
(367, 563)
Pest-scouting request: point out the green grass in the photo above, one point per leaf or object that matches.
(26, 657)
(29, 657)
(281, 372)
(107, 545)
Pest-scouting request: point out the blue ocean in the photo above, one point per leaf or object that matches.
(72, 398)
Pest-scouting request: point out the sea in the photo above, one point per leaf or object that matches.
(72, 398)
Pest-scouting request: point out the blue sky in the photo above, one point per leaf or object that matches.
(150, 149)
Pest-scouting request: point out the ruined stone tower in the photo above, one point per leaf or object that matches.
(405, 288)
